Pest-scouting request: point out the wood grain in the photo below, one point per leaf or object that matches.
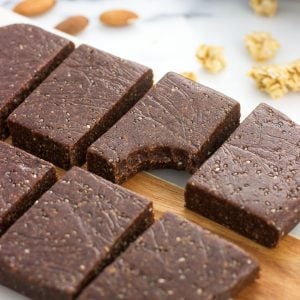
(280, 267)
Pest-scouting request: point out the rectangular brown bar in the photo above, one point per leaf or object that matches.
(252, 183)
(72, 232)
(76, 104)
(177, 124)
(23, 179)
(175, 259)
(28, 54)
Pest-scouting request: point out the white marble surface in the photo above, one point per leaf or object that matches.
(167, 35)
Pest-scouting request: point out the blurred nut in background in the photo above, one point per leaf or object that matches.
(190, 75)
(271, 79)
(73, 25)
(277, 80)
(118, 17)
(261, 45)
(264, 7)
(31, 8)
(211, 58)
(293, 70)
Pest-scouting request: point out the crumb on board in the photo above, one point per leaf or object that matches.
(190, 75)
(277, 80)
(266, 8)
(261, 45)
(211, 58)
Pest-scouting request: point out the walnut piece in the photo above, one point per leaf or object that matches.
(271, 79)
(264, 7)
(261, 45)
(211, 58)
(277, 80)
(293, 70)
(190, 75)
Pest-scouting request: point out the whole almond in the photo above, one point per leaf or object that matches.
(73, 25)
(118, 17)
(32, 8)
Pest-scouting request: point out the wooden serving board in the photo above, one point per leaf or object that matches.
(280, 267)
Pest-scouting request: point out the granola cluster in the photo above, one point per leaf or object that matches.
(277, 80)
(261, 45)
(211, 58)
(264, 7)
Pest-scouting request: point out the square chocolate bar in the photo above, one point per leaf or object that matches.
(72, 232)
(175, 259)
(252, 183)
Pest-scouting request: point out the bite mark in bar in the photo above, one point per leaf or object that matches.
(76, 104)
(177, 124)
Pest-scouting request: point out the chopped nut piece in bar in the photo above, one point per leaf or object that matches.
(23, 179)
(264, 7)
(72, 232)
(252, 183)
(261, 45)
(175, 259)
(28, 54)
(177, 124)
(76, 104)
(211, 58)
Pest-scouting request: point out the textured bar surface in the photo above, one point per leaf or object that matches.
(23, 179)
(175, 259)
(70, 234)
(77, 103)
(28, 54)
(177, 124)
(252, 183)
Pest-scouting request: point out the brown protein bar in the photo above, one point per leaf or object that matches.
(28, 54)
(76, 104)
(23, 179)
(252, 183)
(72, 232)
(177, 124)
(175, 259)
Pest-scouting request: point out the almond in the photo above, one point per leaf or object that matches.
(73, 25)
(118, 17)
(32, 8)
